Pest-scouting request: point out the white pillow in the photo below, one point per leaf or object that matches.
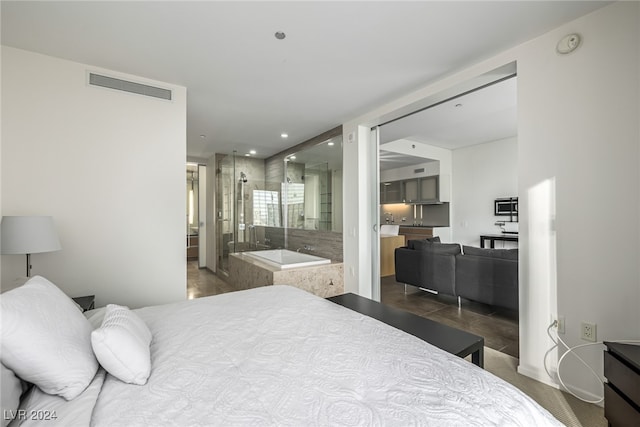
(46, 340)
(46, 410)
(121, 345)
(11, 389)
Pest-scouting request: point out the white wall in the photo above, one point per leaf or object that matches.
(481, 174)
(407, 172)
(108, 166)
(360, 210)
(577, 126)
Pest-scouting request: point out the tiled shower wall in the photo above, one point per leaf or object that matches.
(325, 244)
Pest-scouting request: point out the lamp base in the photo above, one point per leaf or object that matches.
(28, 265)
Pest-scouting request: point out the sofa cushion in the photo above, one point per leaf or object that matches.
(441, 248)
(511, 254)
(490, 280)
(421, 244)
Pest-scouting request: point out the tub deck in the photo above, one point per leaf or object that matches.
(324, 280)
(286, 259)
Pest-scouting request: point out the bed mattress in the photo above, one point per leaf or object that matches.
(277, 355)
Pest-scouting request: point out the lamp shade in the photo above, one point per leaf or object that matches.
(28, 235)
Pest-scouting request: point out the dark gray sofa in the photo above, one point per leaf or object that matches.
(428, 265)
(489, 276)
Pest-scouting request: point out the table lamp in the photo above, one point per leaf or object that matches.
(28, 235)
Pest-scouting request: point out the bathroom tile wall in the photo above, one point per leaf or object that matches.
(326, 244)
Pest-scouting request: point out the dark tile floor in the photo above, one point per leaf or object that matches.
(499, 327)
(203, 283)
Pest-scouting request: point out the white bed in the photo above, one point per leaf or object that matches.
(277, 355)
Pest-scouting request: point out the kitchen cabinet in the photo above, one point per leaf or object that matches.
(423, 190)
(429, 189)
(388, 245)
(391, 192)
(411, 190)
(416, 233)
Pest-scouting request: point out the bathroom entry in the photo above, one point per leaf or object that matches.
(192, 213)
(195, 214)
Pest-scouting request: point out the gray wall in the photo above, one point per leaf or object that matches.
(326, 244)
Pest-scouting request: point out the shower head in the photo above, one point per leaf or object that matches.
(243, 177)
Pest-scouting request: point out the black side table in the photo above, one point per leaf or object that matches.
(622, 390)
(87, 303)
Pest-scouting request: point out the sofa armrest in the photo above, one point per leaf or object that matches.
(432, 267)
(438, 271)
(407, 264)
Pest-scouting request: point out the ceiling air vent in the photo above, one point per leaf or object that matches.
(420, 170)
(126, 86)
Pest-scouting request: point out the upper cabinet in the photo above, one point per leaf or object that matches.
(421, 190)
(391, 192)
(429, 189)
(425, 190)
(411, 190)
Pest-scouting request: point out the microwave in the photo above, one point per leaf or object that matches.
(506, 207)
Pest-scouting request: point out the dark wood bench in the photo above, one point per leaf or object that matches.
(445, 337)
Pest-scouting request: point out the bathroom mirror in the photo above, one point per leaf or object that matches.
(312, 187)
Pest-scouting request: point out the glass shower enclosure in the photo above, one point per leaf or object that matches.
(262, 203)
(248, 207)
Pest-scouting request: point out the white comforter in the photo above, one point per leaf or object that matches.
(280, 356)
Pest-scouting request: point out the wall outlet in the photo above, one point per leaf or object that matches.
(588, 331)
(561, 324)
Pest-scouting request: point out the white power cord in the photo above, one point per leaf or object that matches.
(572, 350)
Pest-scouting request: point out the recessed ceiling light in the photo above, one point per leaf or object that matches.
(252, 151)
(292, 157)
(280, 35)
(203, 136)
(284, 135)
(247, 155)
(330, 143)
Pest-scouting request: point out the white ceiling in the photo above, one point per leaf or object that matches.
(484, 115)
(245, 87)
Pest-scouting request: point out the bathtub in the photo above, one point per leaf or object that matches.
(286, 259)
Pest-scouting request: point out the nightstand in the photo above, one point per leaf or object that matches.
(622, 391)
(86, 303)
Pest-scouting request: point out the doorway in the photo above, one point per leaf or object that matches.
(196, 214)
(417, 190)
(192, 216)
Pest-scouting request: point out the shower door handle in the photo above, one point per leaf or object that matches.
(375, 227)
